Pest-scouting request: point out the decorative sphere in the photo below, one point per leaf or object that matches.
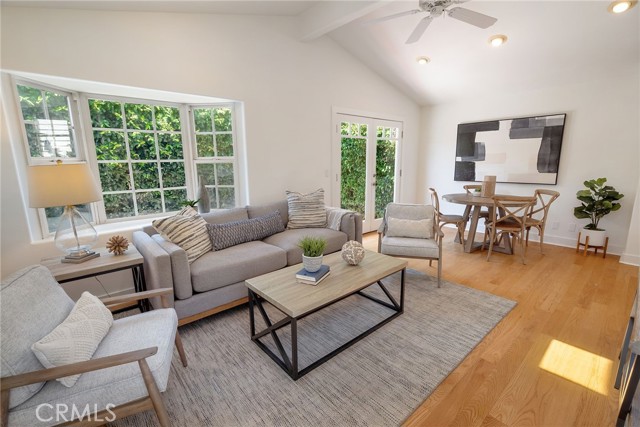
(353, 252)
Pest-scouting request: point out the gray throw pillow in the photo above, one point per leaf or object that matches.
(247, 230)
(306, 210)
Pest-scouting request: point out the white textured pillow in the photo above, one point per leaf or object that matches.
(418, 229)
(306, 210)
(189, 231)
(76, 338)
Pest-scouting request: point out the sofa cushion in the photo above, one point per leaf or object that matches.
(76, 338)
(306, 210)
(116, 385)
(33, 304)
(261, 210)
(236, 232)
(288, 241)
(221, 268)
(220, 216)
(187, 231)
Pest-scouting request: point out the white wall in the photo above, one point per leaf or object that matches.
(601, 139)
(631, 254)
(288, 89)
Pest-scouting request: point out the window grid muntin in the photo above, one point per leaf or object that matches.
(216, 159)
(133, 191)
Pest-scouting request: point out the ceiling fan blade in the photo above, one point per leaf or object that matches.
(419, 30)
(395, 15)
(471, 17)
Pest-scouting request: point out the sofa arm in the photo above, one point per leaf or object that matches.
(157, 264)
(180, 269)
(352, 225)
(349, 222)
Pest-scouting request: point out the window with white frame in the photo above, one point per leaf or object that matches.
(215, 153)
(148, 155)
(140, 157)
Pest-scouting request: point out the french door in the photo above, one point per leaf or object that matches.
(366, 165)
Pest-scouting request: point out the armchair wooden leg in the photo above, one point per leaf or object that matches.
(183, 356)
(4, 408)
(154, 394)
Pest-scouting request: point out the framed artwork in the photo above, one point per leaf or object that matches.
(523, 150)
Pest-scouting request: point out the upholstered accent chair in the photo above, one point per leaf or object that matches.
(127, 372)
(508, 219)
(411, 231)
(443, 219)
(537, 218)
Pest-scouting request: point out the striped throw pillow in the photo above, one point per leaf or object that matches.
(306, 210)
(189, 231)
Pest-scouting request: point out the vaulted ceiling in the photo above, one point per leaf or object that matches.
(549, 42)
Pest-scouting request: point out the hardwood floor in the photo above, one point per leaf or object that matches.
(571, 315)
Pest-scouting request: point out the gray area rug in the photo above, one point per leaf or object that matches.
(379, 381)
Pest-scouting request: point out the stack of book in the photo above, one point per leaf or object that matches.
(303, 276)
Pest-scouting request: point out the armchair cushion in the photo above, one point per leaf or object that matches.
(410, 247)
(76, 338)
(33, 304)
(419, 229)
(306, 210)
(187, 231)
(116, 385)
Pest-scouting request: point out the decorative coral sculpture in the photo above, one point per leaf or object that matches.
(117, 245)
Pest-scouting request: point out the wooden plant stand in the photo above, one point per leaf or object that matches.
(587, 246)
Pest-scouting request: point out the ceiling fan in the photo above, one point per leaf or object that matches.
(436, 8)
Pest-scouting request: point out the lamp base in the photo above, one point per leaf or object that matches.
(80, 256)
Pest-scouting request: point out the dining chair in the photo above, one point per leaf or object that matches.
(470, 189)
(444, 219)
(411, 231)
(537, 218)
(508, 217)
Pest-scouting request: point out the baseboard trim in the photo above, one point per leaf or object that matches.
(630, 259)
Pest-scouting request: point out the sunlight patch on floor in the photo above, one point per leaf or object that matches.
(579, 366)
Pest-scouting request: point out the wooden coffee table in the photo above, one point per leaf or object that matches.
(297, 301)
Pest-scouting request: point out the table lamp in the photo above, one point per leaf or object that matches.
(67, 185)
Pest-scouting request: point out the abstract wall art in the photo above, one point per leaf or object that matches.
(522, 150)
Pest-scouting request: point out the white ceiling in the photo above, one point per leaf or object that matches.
(550, 42)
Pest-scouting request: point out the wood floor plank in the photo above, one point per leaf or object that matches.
(583, 302)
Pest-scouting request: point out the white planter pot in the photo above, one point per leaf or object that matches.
(312, 263)
(596, 237)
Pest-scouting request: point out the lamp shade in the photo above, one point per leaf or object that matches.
(62, 185)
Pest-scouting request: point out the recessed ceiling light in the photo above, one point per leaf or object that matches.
(423, 60)
(497, 40)
(620, 6)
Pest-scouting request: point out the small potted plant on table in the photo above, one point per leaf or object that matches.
(597, 200)
(312, 250)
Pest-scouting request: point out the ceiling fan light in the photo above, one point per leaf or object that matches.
(621, 6)
(498, 40)
(423, 60)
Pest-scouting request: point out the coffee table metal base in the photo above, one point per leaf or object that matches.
(290, 365)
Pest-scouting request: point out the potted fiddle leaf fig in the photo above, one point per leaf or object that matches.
(597, 200)
(312, 250)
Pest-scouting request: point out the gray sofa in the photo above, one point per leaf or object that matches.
(215, 281)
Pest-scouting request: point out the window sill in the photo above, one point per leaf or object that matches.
(107, 230)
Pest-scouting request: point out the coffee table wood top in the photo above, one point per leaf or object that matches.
(282, 290)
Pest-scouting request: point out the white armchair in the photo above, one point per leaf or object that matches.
(411, 231)
(111, 384)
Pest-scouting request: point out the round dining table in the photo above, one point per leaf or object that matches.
(476, 202)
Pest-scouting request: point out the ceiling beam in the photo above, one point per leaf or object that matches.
(327, 16)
